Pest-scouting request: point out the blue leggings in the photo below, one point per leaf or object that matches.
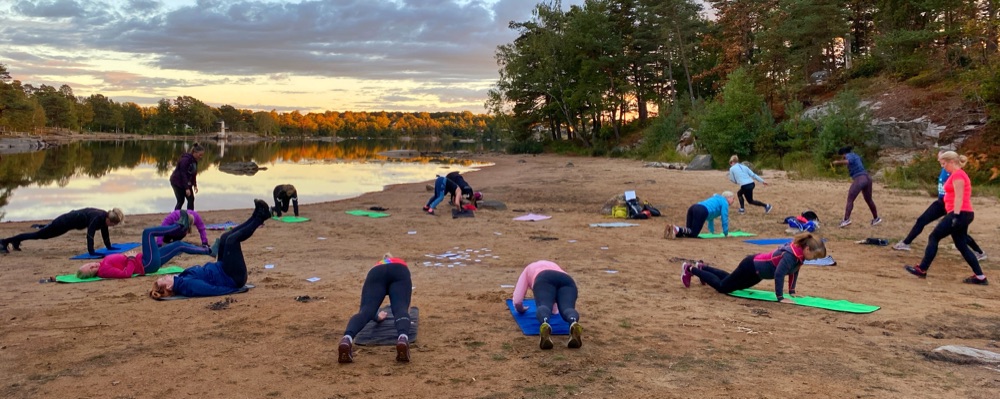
(555, 288)
(745, 276)
(438, 196)
(390, 279)
(154, 256)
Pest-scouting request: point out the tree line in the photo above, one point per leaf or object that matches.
(26, 108)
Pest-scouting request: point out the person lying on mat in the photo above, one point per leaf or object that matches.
(389, 277)
(455, 185)
(555, 293)
(784, 261)
(716, 206)
(226, 275)
(283, 195)
(150, 260)
(182, 220)
(92, 219)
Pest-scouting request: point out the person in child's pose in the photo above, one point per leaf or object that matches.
(958, 204)
(861, 184)
(716, 206)
(283, 195)
(91, 219)
(182, 220)
(776, 265)
(389, 277)
(555, 293)
(744, 177)
(149, 260)
(933, 212)
(226, 275)
(455, 185)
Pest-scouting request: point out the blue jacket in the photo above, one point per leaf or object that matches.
(742, 175)
(207, 280)
(717, 206)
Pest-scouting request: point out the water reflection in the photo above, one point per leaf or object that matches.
(134, 175)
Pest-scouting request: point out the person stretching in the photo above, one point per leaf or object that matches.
(182, 220)
(454, 184)
(92, 219)
(226, 275)
(555, 293)
(716, 206)
(958, 204)
(149, 260)
(744, 177)
(776, 265)
(933, 212)
(184, 179)
(283, 195)
(389, 277)
(861, 183)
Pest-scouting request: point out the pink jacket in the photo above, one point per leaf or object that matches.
(527, 280)
(120, 266)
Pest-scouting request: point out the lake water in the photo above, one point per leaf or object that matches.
(134, 175)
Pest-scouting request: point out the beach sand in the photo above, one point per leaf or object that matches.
(645, 335)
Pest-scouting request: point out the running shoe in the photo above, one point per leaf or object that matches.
(876, 221)
(575, 336)
(845, 223)
(980, 255)
(261, 210)
(403, 349)
(767, 209)
(700, 265)
(916, 271)
(345, 350)
(545, 331)
(976, 281)
(670, 232)
(742, 211)
(901, 246)
(686, 274)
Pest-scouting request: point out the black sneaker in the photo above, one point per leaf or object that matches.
(403, 349)
(345, 351)
(261, 210)
(3, 247)
(916, 271)
(976, 281)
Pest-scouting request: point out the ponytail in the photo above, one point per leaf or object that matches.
(953, 156)
(809, 240)
(196, 148)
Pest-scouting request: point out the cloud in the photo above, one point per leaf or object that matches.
(49, 9)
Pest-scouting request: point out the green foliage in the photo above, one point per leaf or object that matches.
(845, 123)
(525, 147)
(662, 134)
(866, 67)
(734, 124)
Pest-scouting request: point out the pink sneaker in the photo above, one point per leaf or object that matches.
(686, 274)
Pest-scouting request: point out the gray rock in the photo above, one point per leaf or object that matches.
(700, 162)
(241, 168)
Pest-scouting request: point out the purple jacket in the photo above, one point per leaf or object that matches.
(185, 174)
(175, 216)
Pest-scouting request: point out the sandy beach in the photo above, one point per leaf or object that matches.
(645, 335)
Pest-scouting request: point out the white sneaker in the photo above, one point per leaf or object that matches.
(845, 223)
(876, 221)
(767, 209)
(980, 255)
(900, 246)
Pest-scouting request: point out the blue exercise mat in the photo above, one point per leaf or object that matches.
(119, 248)
(530, 325)
(768, 241)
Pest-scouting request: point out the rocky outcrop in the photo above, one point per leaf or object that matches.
(19, 145)
(700, 162)
(241, 168)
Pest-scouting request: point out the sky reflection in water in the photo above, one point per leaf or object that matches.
(143, 190)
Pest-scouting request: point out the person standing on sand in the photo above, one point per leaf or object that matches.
(389, 277)
(555, 293)
(744, 177)
(861, 184)
(184, 179)
(958, 204)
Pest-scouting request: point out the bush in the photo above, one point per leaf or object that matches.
(525, 147)
(662, 133)
(732, 125)
(846, 124)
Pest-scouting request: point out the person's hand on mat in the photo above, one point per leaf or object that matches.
(786, 300)
(382, 315)
(520, 308)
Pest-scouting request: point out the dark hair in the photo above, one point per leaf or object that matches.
(810, 215)
(196, 148)
(844, 150)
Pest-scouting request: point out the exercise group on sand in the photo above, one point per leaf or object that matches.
(555, 291)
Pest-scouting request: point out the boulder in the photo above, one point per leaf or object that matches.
(241, 168)
(700, 162)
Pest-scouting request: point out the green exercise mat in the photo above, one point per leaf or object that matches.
(290, 219)
(731, 234)
(71, 278)
(838, 305)
(362, 212)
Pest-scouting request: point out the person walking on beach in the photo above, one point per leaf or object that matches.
(716, 206)
(555, 293)
(184, 179)
(861, 184)
(958, 205)
(744, 177)
(92, 219)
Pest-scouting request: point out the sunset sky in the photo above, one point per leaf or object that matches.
(338, 55)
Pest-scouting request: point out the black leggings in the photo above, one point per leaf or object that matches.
(696, 217)
(230, 254)
(59, 226)
(392, 279)
(181, 194)
(959, 232)
(555, 288)
(861, 185)
(745, 276)
(934, 211)
(746, 190)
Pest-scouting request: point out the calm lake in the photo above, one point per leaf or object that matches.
(133, 175)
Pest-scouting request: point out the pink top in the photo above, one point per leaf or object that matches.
(949, 191)
(120, 266)
(527, 280)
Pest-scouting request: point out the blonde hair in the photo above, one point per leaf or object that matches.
(728, 194)
(88, 273)
(290, 190)
(160, 292)
(809, 240)
(734, 159)
(953, 156)
(116, 216)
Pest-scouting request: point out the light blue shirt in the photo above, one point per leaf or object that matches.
(742, 175)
